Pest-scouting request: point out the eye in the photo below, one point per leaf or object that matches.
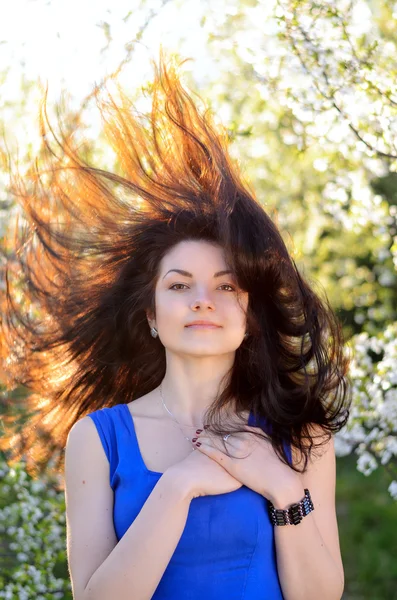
(228, 285)
(183, 285)
(173, 286)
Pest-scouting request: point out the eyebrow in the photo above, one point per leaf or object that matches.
(187, 274)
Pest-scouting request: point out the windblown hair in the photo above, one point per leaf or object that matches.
(82, 273)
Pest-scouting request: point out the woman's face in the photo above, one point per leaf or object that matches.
(201, 292)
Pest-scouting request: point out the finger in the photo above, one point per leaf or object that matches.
(216, 455)
(218, 442)
(233, 438)
(212, 441)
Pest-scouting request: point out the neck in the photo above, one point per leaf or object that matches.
(188, 414)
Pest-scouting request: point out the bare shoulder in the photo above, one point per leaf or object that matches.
(83, 436)
(323, 447)
(81, 426)
(84, 450)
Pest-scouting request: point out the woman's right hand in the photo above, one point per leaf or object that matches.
(203, 476)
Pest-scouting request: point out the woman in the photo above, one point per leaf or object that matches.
(194, 375)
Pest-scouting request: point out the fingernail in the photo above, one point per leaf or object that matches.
(198, 443)
(199, 430)
(194, 439)
(206, 426)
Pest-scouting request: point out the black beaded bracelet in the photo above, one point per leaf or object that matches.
(294, 514)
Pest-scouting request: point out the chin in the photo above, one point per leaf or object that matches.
(207, 350)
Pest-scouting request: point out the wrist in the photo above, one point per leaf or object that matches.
(294, 514)
(285, 496)
(176, 480)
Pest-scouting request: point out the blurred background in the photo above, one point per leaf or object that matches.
(307, 91)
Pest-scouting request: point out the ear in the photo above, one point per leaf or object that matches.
(150, 318)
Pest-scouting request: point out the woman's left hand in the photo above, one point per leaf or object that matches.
(259, 468)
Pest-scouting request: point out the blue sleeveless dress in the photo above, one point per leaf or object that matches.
(227, 548)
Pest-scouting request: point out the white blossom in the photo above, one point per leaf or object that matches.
(33, 527)
(372, 427)
(393, 489)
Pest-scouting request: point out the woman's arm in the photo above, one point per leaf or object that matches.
(136, 565)
(308, 555)
(102, 568)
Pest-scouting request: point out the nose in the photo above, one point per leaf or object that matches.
(202, 300)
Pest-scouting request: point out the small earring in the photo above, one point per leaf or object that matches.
(246, 334)
(154, 332)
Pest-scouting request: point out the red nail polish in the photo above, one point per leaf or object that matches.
(198, 431)
(206, 426)
(194, 439)
(198, 443)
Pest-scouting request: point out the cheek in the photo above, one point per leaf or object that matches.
(235, 312)
(170, 310)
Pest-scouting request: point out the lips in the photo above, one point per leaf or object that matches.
(203, 327)
(203, 324)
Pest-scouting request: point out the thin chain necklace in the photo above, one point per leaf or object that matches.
(174, 419)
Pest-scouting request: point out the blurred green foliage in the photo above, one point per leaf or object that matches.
(367, 519)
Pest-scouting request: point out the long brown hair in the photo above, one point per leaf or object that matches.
(83, 271)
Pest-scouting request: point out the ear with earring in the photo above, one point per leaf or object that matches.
(153, 331)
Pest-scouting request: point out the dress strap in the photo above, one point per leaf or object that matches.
(104, 420)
